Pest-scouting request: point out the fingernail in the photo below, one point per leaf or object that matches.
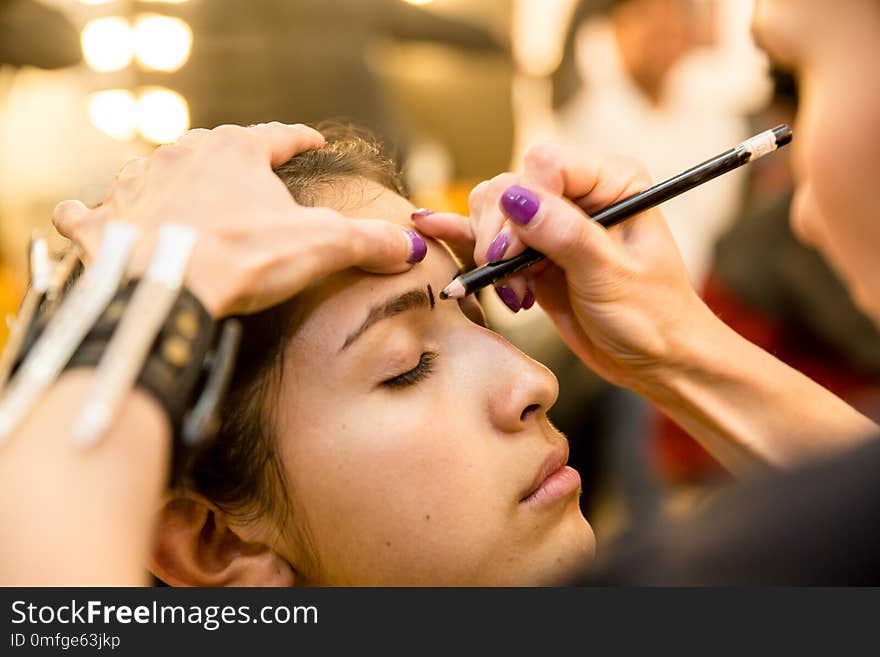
(421, 213)
(498, 247)
(520, 204)
(419, 248)
(528, 299)
(509, 298)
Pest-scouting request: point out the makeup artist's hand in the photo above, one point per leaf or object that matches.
(256, 246)
(620, 298)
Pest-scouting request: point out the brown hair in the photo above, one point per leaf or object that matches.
(240, 472)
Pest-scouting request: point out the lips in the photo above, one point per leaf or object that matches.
(554, 462)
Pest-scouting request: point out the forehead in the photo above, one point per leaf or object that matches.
(365, 199)
(336, 305)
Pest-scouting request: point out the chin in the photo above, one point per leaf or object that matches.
(582, 555)
(569, 556)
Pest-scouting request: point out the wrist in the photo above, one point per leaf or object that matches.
(183, 365)
(699, 346)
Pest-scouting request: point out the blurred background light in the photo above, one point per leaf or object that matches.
(539, 31)
(114, 112)
(162, 43)
(107, 44)
(162, 115)
(418, 2)
(96, 2)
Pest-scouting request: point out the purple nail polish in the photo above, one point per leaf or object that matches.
(509, 298)
(421, 213)
(520, 204)
(498, 247)
(528, 299)
(419, 247)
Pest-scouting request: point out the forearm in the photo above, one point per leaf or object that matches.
(747, 408)
(81, 517)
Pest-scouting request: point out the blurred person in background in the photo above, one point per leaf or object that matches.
(638, 77)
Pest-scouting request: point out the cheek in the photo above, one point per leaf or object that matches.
(379, 464)
(837, 165)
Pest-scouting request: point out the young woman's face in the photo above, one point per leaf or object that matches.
(415, 441)
(833, 48)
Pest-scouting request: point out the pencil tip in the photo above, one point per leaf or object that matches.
(455, 290)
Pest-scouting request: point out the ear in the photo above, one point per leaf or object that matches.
(195, 545)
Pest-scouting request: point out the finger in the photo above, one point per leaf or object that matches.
(558, 229)
(512, 292)
(504, 245)
(67, 216)
(593, 183)
(283, 141)
(495, 242)
(455, 230)
(381, 247)
(619, 178)
(545, 166)
(475, 198)
(80, 225)
(321, 242)
(529, 297)
(489, 220)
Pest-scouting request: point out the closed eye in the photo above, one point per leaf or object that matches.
(418, 373)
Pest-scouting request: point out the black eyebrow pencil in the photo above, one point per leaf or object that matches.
(748, 151)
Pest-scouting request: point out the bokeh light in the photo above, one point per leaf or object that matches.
(107, 43)
(114, 112)
(162, 43)
(162, 115)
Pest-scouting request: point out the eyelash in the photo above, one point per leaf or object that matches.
(416, 374)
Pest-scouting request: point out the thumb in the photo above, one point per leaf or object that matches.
(557, 228)
(381, 247)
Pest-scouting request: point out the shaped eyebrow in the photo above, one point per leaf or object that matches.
(410, 300)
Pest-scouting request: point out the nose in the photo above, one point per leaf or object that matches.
(522, 389)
